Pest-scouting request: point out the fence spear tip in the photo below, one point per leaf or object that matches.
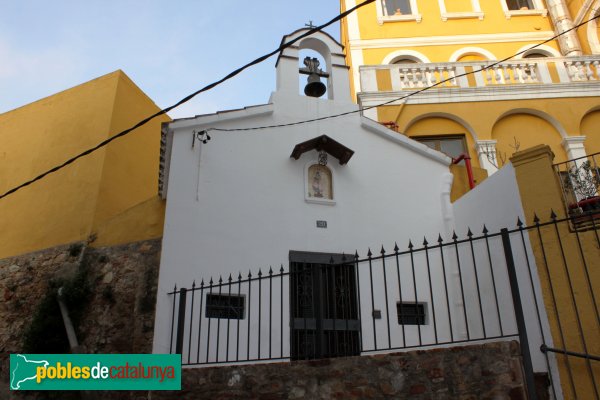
(425, 242)
(396, 248)
(230, 278)
(440, 240)
(469, 233)
(382, 250)
(410, 245)
(535, 218)
(485, 230)
(369, 254)
(356, 254)
(552, 214)
(454, 237)
(281, 269)
(270, 270)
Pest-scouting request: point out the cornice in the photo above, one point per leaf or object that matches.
(490, 93)
(451, 40)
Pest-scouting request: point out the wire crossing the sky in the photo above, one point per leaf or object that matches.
(187, 98)
(441, 82)
(257, 61)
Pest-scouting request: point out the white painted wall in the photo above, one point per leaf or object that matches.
(496, 203)
(238, 204)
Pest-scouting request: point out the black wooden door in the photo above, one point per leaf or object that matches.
(324, 313)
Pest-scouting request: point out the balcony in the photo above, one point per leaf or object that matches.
(524, 78)
(579, 180)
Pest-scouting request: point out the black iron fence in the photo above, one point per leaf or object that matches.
(484, 287)
(568, 262)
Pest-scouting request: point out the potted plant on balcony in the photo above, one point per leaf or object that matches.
(584, 181)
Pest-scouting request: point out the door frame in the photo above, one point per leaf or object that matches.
(319, 324)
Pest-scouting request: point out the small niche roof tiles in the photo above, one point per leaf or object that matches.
(324, 143)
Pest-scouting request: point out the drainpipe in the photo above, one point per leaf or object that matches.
(467, 159)
(569, 42)
(67, 321)
(64, 311)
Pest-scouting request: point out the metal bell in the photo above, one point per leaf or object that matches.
(314, 87)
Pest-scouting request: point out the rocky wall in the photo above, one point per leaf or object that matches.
(118, 314)
(118, 317)
(486, 371)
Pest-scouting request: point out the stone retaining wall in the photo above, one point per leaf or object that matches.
(487, 371)
(119, 316)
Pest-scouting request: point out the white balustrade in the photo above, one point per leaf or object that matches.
(415, 76)
(582, 70)
(486, 73)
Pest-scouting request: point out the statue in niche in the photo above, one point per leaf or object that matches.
(319, 182)
(317, 185)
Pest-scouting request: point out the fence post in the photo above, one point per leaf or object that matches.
(180, 321)
(516, 296)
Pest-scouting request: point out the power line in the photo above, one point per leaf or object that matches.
(261, 59)
(208, 87)
(490, 66)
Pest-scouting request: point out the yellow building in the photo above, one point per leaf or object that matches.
(546, 95)
(110, 194)
(494, 94)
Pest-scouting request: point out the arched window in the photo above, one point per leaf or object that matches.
(451, 145)
(405, 56)
(471, 53)
(472, 57)
(593, 30)
(539, 52)
(535, 55)
(404, 60)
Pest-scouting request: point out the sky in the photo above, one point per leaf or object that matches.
(168, 48)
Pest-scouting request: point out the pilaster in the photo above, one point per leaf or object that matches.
(573, 145)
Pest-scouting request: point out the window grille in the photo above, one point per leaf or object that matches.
(411, 313)
(224, 306)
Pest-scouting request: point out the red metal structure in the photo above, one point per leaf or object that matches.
(467, 159)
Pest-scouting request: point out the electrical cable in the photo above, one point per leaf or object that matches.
(360, 109)
(261, 59)
(258, 60)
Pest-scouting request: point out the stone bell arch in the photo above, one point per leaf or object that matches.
(335, 69)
